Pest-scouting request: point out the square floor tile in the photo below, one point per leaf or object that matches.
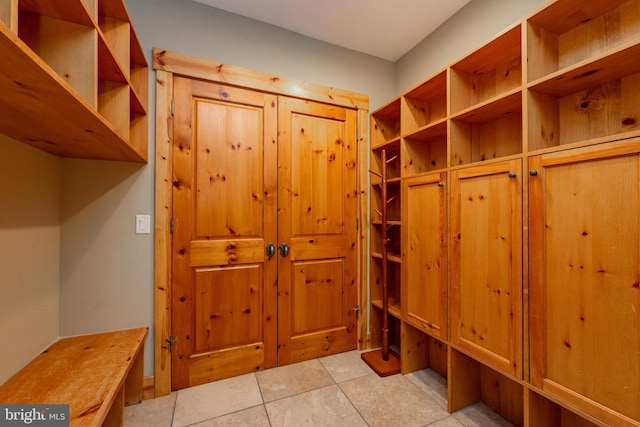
(203, 402)
(393, 400)
(153, 412)
(346, 366)
(254, 417)
(327, 406)
(285, 381)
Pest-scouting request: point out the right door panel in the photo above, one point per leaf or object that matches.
(584, 271)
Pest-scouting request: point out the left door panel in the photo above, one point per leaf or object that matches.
(225, 211)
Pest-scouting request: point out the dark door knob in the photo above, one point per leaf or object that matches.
(270, 250)
(284, 250)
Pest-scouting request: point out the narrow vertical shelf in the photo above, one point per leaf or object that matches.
(385, 289)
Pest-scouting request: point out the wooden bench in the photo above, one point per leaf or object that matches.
(95, 374)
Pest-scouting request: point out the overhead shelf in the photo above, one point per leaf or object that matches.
(71, 87)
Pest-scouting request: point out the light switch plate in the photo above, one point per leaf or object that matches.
(143, 224)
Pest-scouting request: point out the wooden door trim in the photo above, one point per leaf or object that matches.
(190, 66)
(167, 64)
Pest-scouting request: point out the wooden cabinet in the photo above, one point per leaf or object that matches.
(585, 269)
(74, 78)
(425, 254)
(535, 135)
(486, 263)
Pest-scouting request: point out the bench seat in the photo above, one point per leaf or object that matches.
(95, 374)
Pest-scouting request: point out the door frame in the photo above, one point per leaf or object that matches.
(167, 64)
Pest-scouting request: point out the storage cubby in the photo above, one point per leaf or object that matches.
(471, 382)
(421, 351)
(393, 283)
(394, 169)
(425, 150)
(385, 124)
(541, 411)
(425, 105)
(69, 48)
(606, 110)
(491, 71)
(491, 131)
(77, 66)
(393, 208)
(567, 34)
(393, 236)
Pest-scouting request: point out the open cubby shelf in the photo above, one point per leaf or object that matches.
(79, 68)
(541, 117)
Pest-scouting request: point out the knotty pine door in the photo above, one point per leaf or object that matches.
(255, 171)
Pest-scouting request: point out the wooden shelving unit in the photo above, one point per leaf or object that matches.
(74, 79)
(385, 255)
(518, 172)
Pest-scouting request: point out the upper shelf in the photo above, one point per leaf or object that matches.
(74, 81)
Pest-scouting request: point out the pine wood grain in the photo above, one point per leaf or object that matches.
(318, 202)
(584, 233)
(486, 263)
(226, 73)
(425, 285)
(491, 70)
(224, 195)
(162, 271)
(66, 87)
(91, 373)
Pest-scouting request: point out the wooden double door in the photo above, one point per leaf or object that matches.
(264, 231)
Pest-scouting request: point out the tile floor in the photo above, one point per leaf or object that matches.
(339, 390)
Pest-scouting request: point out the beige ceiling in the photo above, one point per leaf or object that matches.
(383, 28)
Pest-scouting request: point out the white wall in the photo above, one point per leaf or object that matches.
(106, 270)
(29, 253)
(475, 24)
